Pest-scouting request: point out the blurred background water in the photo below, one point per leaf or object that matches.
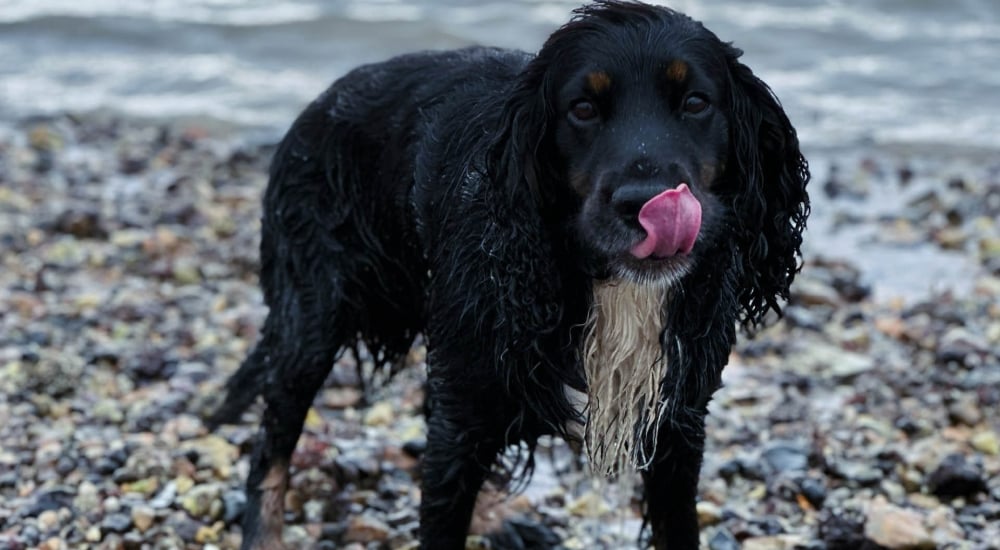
(850, 72)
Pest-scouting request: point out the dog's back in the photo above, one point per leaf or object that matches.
(341, 254)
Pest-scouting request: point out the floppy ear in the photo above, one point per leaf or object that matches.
(519, 156)
(771, 203)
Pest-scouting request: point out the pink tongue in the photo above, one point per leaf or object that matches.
(671, 220)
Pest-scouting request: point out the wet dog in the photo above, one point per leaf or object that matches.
(577, 234)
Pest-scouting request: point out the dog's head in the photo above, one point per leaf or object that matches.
(666, 146)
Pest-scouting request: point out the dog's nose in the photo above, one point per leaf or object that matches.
(628, 199)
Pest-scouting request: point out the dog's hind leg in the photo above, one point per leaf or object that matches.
(298, 365)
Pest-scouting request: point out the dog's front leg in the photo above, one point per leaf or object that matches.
(671, 483)
(461, 449)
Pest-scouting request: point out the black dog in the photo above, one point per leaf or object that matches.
(577, 235)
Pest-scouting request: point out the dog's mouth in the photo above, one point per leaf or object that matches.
(672, 220)
(643, 238)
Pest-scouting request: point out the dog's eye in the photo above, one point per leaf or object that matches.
(583, 111)
(695, 104)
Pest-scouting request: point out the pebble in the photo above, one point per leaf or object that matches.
(784, 456)
(206, 534)
(233, 504)
(896, 528)
(708, 514)
(87, 496)
(986, 442)
(379, 414)
(200, 501)
(861, 473)
(116, 523)
(956, 477)
(589, 504)
(48, 520)
(723, 540)
(944, 529)
(341, 398)
(810, 292)
(314, 510)
(143, 517)
(213, 452)
(965, 410)
(165, 498)
(814, 491)
(780, 542)
(366, 529)
(112, 504)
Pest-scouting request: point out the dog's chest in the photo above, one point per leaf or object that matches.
(625, 366)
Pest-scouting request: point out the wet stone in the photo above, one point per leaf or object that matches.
(811, 292)
(116, 523)
(814, 491)
(955, 477)
(233, 504)
(199, 500)
(81, 223)
(785, 457)
(842, 530)
(143, 517)
(752, 469)
(986, 442)
(65, 465)
(894, 527)
(729, 469)
(804, 318)
(48, 520)
(51, 499)
(708, 514)
(965, 410)
(185, 527)
(723, 540)
(30, 535)
(861, 473)
(165, 497)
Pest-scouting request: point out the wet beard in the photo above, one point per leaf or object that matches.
(624, 365)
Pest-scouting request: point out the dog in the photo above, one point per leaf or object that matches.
(578, 235)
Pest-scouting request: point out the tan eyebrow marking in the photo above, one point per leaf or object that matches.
(677, 70)
(599, 81)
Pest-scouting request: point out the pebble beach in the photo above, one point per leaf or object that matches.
(869, 417)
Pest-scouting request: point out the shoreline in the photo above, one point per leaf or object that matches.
(128, 293)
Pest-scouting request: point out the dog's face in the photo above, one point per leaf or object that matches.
(669, 152)
(640, 121)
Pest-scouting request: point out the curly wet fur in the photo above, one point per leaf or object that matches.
(446, 193)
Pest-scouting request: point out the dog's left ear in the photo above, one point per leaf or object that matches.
(772, 202)
(518, 154)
